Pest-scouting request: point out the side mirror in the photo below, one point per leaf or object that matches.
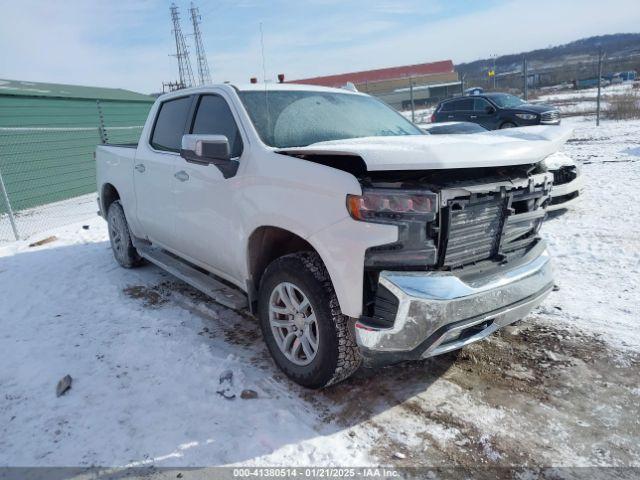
(205, 148)
(209, 150)
(489, 109)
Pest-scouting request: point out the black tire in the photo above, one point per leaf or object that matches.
(337, 355)
(508, 125)
(123, 250)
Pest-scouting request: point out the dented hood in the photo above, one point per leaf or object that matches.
(513, 146)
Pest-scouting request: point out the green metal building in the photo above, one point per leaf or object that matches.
(48, 133)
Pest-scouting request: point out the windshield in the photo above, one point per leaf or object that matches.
(296, 119)
(504, 100)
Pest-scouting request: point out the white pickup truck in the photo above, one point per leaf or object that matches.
(352, 235)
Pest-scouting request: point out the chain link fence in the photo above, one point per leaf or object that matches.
(47, 167)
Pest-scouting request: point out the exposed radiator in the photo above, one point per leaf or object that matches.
(489, 226)
(474, 229)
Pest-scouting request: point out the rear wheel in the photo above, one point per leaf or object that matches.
(120, 237)
(301, 322)
(507, 125)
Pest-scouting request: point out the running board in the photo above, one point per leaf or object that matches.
(218, 291)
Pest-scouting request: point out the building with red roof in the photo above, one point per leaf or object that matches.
(426, 83)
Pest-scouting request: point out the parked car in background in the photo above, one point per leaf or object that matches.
(567, 181)
(494, 111)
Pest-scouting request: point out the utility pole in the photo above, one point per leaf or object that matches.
(203, 66)
(526, 78)
(413, 106)
(185, 74)
(494, 72)
(600, 54)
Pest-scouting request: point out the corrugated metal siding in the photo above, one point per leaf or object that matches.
(47, 144)
(124, 121)
(38, 89)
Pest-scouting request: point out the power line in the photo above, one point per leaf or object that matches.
(185, 74)
(203, 66)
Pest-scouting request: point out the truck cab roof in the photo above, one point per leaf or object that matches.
(258, 87)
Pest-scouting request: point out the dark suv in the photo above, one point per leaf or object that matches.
(494, 111)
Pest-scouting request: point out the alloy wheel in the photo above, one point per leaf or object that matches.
(293, 323)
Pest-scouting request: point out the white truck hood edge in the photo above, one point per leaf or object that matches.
(498, 148)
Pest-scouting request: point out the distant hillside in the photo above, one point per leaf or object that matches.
(563, 62)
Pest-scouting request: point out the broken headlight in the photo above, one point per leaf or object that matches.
(388, 205)
(413, 212)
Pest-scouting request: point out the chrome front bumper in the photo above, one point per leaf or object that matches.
(439, 311)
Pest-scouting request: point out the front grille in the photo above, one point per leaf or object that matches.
(550, 116)
(564, 175)
(495, 226)
(474, 229)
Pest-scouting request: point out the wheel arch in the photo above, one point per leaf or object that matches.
(505, 121)
(108, 195)
(265, 244)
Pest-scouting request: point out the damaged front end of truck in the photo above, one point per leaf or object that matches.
(467, 261)
(468, 258)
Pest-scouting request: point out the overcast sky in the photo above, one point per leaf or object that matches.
(127, 44)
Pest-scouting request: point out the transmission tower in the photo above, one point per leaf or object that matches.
(203, 66)
(182, 54)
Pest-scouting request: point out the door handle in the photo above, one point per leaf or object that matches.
(450, 116)
(140, 167)
(182, 176)
(473, 116)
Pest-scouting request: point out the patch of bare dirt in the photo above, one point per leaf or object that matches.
(527, 358)
(371, 390)
(534, 358)
(239, 328)
(559, 397)
(150, 296)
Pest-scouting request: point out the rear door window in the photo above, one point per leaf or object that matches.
(480, 105)
(170, 124)
(448, 107)
(213, 117)
(465, 105)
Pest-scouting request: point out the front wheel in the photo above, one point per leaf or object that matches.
(507, 125)
(301, 322)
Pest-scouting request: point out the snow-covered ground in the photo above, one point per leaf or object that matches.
(147, 355)
(580, 102)
(596, 245)
(587, 93)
